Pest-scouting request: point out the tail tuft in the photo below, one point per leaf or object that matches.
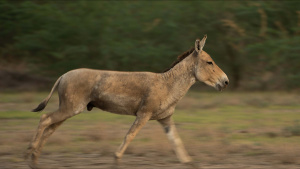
(40, 107)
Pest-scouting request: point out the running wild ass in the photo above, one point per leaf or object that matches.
(146, 95)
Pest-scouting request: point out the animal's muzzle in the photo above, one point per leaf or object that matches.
(223, 84)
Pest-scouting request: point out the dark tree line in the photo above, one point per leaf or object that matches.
(255, 43)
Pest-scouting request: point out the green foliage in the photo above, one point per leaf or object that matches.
(255, 43)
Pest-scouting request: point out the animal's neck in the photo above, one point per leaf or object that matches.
(181, 77)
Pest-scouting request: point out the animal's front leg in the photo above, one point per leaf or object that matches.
(175, 140)
(139, 122)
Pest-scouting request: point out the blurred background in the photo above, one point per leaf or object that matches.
(255, 43)
(255, 123)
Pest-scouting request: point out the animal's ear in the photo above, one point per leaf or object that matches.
(200, 44)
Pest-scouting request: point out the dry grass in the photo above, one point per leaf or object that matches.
(59, 139)
(285, 154)
(215, 127)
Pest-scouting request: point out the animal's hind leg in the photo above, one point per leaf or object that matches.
(47, 133)
(45, 122)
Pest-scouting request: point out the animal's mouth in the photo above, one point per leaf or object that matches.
(220, 88)
(217, 85)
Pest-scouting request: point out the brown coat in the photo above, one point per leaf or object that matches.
(146, 95)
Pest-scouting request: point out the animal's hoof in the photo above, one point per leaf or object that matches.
(118, 157)
(116, 164)
(117, 161)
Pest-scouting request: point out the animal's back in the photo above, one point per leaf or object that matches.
(113, 91)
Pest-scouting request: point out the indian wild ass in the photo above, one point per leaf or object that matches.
(146, 95)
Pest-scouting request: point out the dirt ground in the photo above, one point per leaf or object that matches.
(83, 149)
(247, 134)
(151, 161)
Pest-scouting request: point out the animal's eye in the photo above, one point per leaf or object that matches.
(210, 63)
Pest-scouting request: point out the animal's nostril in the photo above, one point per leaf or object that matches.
(226, 82)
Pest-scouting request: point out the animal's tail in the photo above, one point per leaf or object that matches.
(43, 104)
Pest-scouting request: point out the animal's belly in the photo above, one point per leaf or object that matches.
(118, 104)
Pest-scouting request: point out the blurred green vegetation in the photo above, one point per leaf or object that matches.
(255, 42)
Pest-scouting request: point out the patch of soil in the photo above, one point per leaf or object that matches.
(130, 161)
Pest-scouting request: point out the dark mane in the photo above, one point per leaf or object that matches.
(180, 58)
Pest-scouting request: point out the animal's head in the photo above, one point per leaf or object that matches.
(206, 69)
